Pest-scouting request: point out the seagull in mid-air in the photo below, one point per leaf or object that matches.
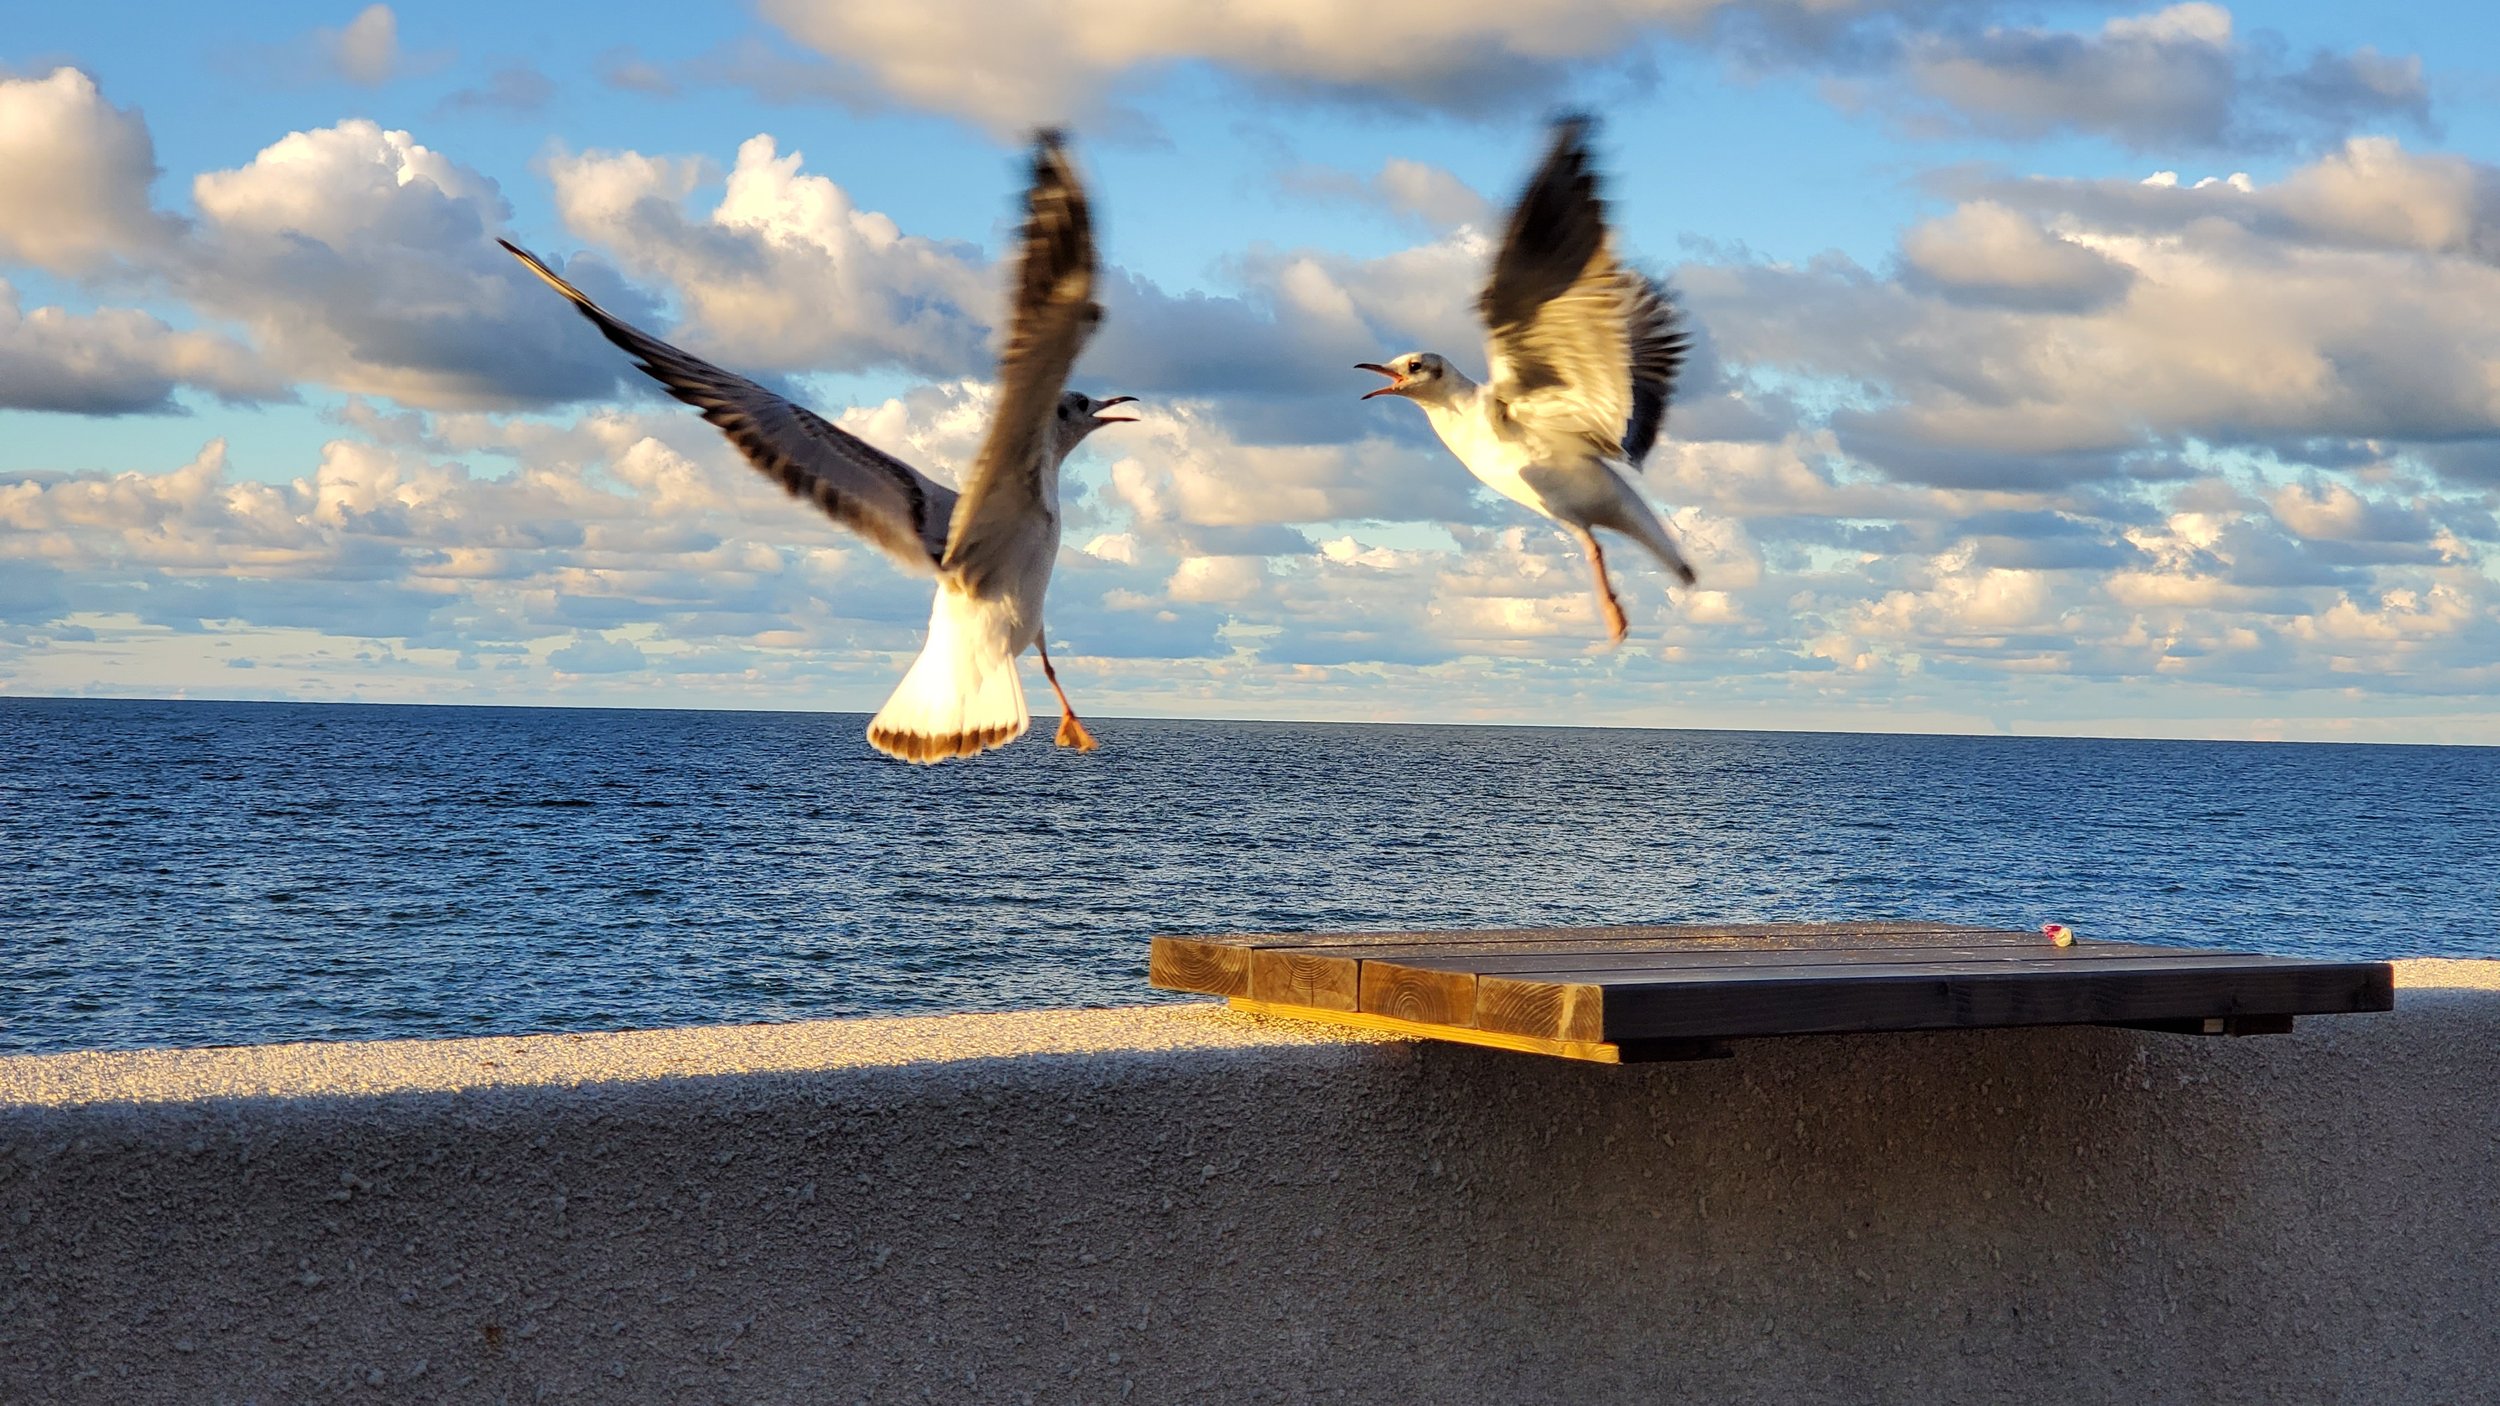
(991, 547)
(1583, 353)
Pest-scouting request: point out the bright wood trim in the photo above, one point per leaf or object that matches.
(1592, 1051)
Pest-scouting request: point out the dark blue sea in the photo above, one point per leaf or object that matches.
(225, 873)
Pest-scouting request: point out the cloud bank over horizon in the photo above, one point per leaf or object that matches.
(2198, 435)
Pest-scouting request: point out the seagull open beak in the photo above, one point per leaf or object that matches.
(1102, 405)
(1396, 384)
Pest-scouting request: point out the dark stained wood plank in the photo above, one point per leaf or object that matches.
(1661, 991)
(1775, 932)
(1517, 1001)
(1326, 970)
(1279, 973)
(1461, 956)
(1196, 964)
(1706, 1005)
(1291, 977)
(1432, 998)
(1668, 958)
(1628, 975)
(1808, 943)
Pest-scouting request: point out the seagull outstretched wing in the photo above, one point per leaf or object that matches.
(876, 495)
(1578, 345)
(1054, 312)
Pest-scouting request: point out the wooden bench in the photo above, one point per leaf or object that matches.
(1625, 994)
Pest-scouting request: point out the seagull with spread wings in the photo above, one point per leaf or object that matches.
(1583, 353)
(990, 547)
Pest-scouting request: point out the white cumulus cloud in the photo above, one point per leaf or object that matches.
(2045, 331)
(118, 361)
(364, 260)
(784, 266)
(74, 176)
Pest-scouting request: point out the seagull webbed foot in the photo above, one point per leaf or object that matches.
(1616, 626)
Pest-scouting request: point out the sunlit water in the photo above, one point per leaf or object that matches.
(219, 873)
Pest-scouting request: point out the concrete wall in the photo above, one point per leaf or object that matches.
(1177, 1204)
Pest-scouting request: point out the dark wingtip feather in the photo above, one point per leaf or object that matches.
(1572, 130)
(1053, 178)
(1556, 228)
(1050, 158)
(1058, 225)
(528, 260)
(581, 300)
(1659, 349)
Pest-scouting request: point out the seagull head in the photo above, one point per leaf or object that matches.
(1415, 375)
(1081, 415)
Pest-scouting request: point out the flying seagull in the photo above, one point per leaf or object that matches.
(1583, 353)
(991, 547)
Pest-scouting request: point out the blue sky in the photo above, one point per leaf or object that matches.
(2002, 421)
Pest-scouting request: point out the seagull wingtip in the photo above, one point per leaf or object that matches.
(1050, 157)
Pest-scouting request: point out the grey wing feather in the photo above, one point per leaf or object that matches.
(1054, 313)
(1581, 347)
(884, 500)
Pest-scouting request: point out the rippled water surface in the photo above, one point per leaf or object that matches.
(220, 873)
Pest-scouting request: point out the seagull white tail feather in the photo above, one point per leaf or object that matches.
(962, 696)
(1633, 517)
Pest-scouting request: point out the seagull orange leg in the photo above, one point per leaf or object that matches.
(1616, 626)
(1071, 732)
